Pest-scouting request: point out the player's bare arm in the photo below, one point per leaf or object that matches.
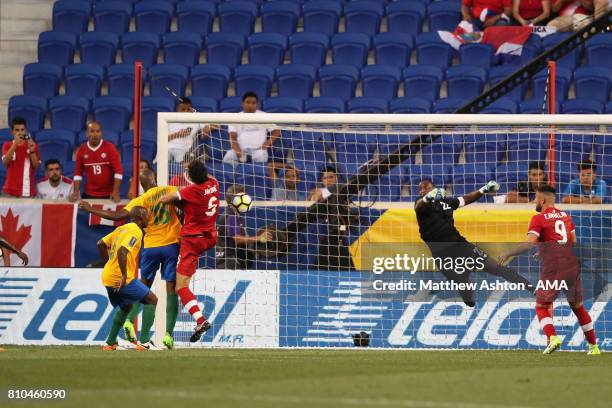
(233, 136)
(531, 240)
(7, 245)
(106, 214)
(171, 198)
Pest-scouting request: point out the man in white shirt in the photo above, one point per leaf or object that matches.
(54, 186)
(181, 136)
(250, 139)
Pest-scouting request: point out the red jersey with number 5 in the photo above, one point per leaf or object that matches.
(201, 207)
(100, 165)
(553, 228)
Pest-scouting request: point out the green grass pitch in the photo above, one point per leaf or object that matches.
(308, 378)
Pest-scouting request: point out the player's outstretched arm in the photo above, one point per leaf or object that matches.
(171, 198)
(6, 244)
(520, 249)
(491, 187)
(120, 215)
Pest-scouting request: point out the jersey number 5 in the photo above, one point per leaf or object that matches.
(561, 230)
(212, 206)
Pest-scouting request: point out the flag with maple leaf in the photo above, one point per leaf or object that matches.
(95, 220)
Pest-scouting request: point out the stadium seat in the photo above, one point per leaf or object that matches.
(148, 150)
(564, 77)
(56, 47)
(309, 156)
(469, 177)
(570, 60)
(204, 104)
(108, 135)
(393, 49)
(283, 104)
(422, 81)
(127, 136)
(112, 16)
(224, 49)
(322, 16)
(254, 175)
(363, 16)
(592, 83)
(98, 48)
(498, 73)
(598, 51)
(121, 80)
(350, 49)
(410, 105)
(196, 16)
(448, 105)
(582, 106)
(231, 104)
(71, 16)
(308, 48)
(69, 113)
(254, 78)
(280, 17)
(501, 106)
(572, 148)
(153, 16)
(440, 174)
(351, 156)
(480, 55)
(140, 47)
(55, 149)
(535, 106)
(237, 16)
(432, 51)
(150, 106)
(84, 80)
(445, 149)
(6, 135)
(609, 107)
(527, 147)
(486, 148)
(368, 105)
(50, 135)
(41, 80)
(223, 172)
(405, 17)
(444, 16)
(182, 48)
(338, 81)
(31, 108)
(295, 80)
(210, 80)
(325, 105)
(508, 174)
(167, 76)
(379, 81)
(112, 112)
(267, 48)
(465, 81)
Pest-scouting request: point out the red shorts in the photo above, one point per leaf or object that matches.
(563, 275)
(191, 249)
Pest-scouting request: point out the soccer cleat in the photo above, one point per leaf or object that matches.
(129, 332)
(593, 350)
(149, 345)
(553, 344)
(113, 347)
(199, 330)
(168, 341)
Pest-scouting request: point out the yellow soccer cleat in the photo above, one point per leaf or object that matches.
(129, 332)
(553, 344)
(168, 341)
(593, 350)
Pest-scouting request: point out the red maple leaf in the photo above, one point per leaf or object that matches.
(16, 236)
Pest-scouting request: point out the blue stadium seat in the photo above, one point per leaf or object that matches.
(128, 136)
(6, 135)
(351, 156)
(338, 81)
(283, 104)
(71, 16)
(445, 149)
(528, 53)
(598, 51)
(363, 16)
(535, 106)
(98, 48)
(309, 156)
(31, 108)
(210, 80)
(405, 17)
(350, 49)
(41, 80)
(280, 16)
(148, 150)
(465, 81)
(582, 106)
(308, 48)
(121, 80)
(564, 77)
(432, 51)
(423, 81)
(325, 105)
(267, 48)
(469, 177)
(502, 105)
(593, 83)
(140, 47)
(487, 148)
(609, 107)
(237, 16)
(112, 112)
(153, 16)
(56, 47)
(393, 49)
(204, 104)
(379, 81)
(69, 112)
(444, 16)
(448, 105)
(170, 76)
(368, 105)
(50, 135)
(196, 16)
(108, 135)
(527, 147)
(112, 16)
(508, 174)
(498, 73)
(322, 16)
(56, 149)
(254, 175)
(295, 80)
(224, 49)
(410, 105)
(84, 80)
(440, 174)
(182, 48)
(231, 104)
(477, 54)
(570, 60)
(150, 106)
(254, 78)
(223, 172)
(572, 148)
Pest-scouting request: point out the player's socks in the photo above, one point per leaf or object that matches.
(546, 321)
(191, 304)
(118, 320)
(134, 312)
(586, 324)
(148, 316)
(172, 310)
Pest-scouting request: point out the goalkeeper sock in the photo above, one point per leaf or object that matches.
(171, 312)
(118, 321)
(585, 323)
(546, 320)
(191, 304)
(134, 312)
(148, 316)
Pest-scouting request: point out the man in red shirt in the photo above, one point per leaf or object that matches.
(531, 12)
(555, 235)
(21, 158)
(200, 203)
(486, 13)
(99, 161)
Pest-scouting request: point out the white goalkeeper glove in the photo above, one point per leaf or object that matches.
(436, 194)
(491, 187)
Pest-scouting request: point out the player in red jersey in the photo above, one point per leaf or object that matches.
(554, 232)
(200, 203)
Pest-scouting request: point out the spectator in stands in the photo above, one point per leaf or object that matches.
(571, 14)
(180, 180)
(142, 166)
(524, 192)
(21, 158)
(531, 12)
(588, 188)
(98, 160)
(182, 136)
(328, 179)
(486, 13)
(250, 139)
(54, 186)
(287, 189)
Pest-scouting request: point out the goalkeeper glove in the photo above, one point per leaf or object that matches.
(491, 187)
(436, 194)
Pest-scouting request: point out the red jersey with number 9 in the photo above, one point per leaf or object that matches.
(553, 226)
(201, 207)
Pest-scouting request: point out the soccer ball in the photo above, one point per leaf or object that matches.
(242, 202)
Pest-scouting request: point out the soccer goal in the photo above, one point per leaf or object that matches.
(335, 256)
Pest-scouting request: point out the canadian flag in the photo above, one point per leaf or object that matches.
(45, 232)
(95, 220)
